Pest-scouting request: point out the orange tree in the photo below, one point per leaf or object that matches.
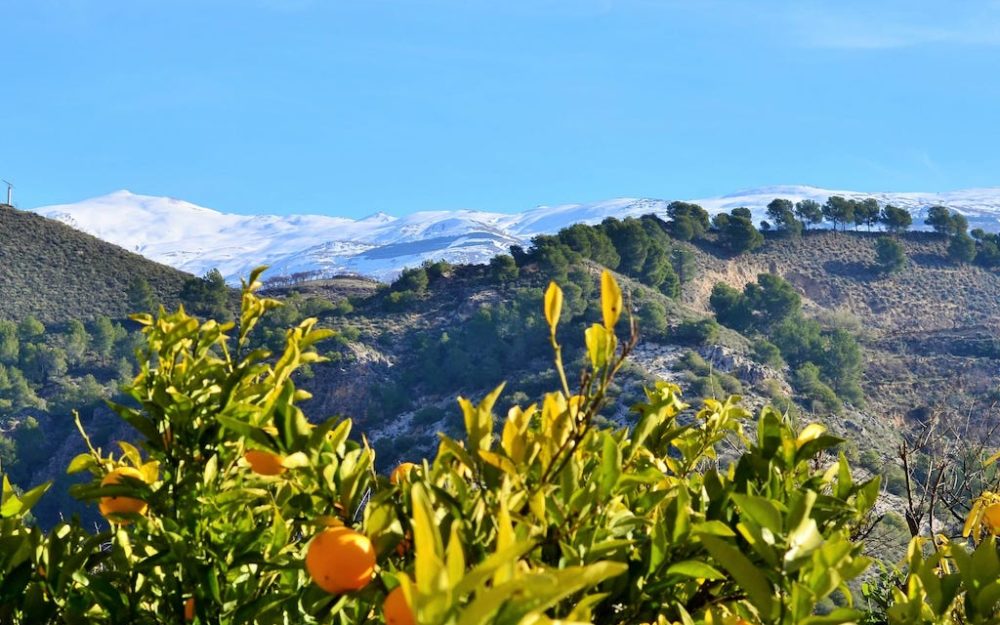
(235, 508)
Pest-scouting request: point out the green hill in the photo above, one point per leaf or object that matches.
(55, 273)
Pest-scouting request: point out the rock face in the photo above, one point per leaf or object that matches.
(728, 361)
(658, 360)
(350, 387)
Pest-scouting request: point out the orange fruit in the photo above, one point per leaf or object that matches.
(117, 505)
(992, 518)
(340, 560)
(189, 609)
(401, 472)
(395, 609)
(264, 462)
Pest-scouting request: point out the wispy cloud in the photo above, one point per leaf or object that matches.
(894, 25)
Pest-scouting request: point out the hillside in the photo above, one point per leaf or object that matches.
(926, 332)
(196, 239)
(929, 331)
(405, 351)
(56, 273)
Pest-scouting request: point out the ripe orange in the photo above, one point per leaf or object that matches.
(401, 472)
(992, 518)
(339, 560)
(264, 462)
(189, 609)
(117, 505)
(395, 609)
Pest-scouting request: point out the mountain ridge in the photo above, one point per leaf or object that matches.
(196, 239)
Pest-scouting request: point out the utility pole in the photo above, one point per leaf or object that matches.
(10, 193)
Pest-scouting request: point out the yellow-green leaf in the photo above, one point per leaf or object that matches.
(427, 543)
(611, 300)
(553, 305)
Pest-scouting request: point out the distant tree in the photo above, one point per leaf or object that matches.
(105, 333)
(806, 380)
(102, 336)
(124, 370)
(685, 264)
(773, 298)
(414, 279)
(896, 219)
(731, 307)
(9, 342)
(503, 268)
(842, 364)
(552, 257)
(988, 251)
(658, 273)
(631, 241)
(688, 221)
(15, 391)
(838, 210)
(140, 296)
(30, 329)
(799, 339)
(700, 332)
(765, 225)
(590, 242)
(742, 212)
(978, 234)
(961, 248)
(777, 207)
(809, 212)
(43, 363)
(740, 235)
(207, 295)
(959, 224)
(652, 319)
(767, 353)
(782, 216)
(720, 221)
(436, 269)
(520, 257)
(76, 341)
(889, 255)
(939, 218)
(866, 212)
(683, 229)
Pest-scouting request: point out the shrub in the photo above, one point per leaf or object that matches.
(766, 352)
(414, 280)
(889, 255)
(700, 332)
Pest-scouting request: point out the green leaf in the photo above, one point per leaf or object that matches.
(30, 498)
(750, 578)
(713, 528)
(82, 462)
(611, 464)
(426, 541)
(696, 570)
(762, 511)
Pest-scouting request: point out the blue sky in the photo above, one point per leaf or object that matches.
(354, 106)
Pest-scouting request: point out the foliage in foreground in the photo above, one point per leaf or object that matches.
(544, 518)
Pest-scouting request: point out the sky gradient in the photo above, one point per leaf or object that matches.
(348, 107)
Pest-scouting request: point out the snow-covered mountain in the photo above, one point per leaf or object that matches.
(196, 239)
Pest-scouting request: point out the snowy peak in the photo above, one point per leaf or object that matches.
(196, 239)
